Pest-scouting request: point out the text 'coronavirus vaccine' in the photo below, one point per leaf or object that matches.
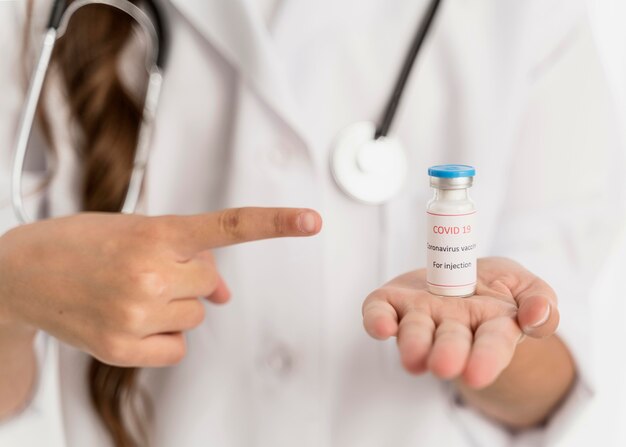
(451, 239)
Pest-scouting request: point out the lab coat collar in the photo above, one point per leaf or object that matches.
(240, 35)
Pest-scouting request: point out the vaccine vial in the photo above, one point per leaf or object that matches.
(451, 240)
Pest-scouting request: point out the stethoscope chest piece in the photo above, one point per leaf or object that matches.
(369, 170)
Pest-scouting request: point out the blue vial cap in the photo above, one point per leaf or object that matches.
(451, 171)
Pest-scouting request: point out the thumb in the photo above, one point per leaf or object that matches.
(537, 315)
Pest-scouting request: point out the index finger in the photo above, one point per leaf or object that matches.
(236, 225)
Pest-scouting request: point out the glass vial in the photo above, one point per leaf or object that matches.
(451, 241)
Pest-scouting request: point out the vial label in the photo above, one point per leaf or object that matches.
(451, 251)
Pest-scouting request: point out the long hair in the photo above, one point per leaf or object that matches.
(107, 117)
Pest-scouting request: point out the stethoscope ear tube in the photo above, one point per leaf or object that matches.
(162, 33)
(56, 14)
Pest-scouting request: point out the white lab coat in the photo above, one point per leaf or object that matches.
(248, 117)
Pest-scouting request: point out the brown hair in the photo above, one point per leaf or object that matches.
(107, 118)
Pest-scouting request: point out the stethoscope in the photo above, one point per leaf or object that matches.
(367, 164)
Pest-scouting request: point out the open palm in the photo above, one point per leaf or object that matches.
(473, 338)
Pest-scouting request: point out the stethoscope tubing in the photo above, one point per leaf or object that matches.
(370, 166)
(26, 124)
(59, 18)
(409, 62)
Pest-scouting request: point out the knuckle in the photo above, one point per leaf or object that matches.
(280, 223)
(229, 222)
(126, 317)
(148, 283)
(140, 275)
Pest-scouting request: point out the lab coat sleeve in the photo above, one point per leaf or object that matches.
(562, 216)
(41, 418)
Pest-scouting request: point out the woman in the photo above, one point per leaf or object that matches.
(253, 97)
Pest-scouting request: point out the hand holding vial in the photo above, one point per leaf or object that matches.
(464, 319)
(471, 338)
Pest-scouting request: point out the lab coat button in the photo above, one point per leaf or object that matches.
(279, 156)
(279, 361)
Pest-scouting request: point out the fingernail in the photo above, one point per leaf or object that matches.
(307, 222)
(543, 319)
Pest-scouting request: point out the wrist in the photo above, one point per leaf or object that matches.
(526, 394)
